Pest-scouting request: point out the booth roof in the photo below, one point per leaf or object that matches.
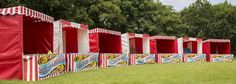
(100, 30)
(133, 35)
(164, 37)
(185, 39)
(21, 10)
(73, 24)
(218, 40)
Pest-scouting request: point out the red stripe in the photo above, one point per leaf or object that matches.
(68, 62)
(25, 68)
(36, 68)
(72, 60)
(31, 69)
(105, 61)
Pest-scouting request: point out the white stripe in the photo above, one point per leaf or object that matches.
(13, 10)
(3, 11)
(193, 39)
(33, 68)
(71, 56)
(28, 69)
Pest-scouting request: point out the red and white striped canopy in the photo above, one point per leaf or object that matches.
(186, 39)
(164, 37)
(99, 30)
(73, 25)
(21, 10)
(218, 40)
(133, 35)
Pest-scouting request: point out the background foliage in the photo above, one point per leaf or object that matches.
(200, 19)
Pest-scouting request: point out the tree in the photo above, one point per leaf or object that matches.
(146, 16)
(198, 16)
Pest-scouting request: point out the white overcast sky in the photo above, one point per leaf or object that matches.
(180, 4)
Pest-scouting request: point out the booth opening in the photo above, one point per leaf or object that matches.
(109, 43)
(37, 36)
(166, 46)
(190, 47)
(136, 45)
(219, 48)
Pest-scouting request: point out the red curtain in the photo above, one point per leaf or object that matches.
(94, 42)
(206, 50)
(153, 49)
(139, 45)
(11, 47)
(71, 40)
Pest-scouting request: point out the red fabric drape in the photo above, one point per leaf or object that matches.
(71, 40)
(139, 45)
(206, 50)
(11, 47)
(153, 49)
(94, 42)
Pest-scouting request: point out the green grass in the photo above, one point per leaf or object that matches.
(183, 73)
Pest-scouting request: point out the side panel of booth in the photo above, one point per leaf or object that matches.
(111, 60)
(82, 61)
(199, 47)
(11, 42)
(180, 45)
(57, 38)
(136, 59)
(146, 46)
(94, 42)
(83, 40)
(153, 48)
(125, 43)
(206, 50)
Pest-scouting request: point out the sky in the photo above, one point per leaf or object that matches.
(180, 4)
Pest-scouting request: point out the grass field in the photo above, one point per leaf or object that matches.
(190, 73)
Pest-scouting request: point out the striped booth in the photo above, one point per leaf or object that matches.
(191, 48)
(166, 48)
(138, 48)
(25, 35)
(108, 44)
(217, 50)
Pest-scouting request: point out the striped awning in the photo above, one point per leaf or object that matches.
(21, 10)
(73, 25)
(218, 40)
(164, 37)
(100, 30)
(134, 35)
